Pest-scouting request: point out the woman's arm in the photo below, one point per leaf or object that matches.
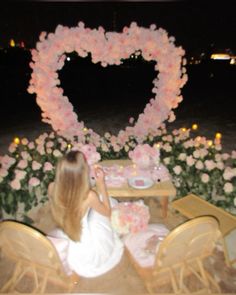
(102, 206)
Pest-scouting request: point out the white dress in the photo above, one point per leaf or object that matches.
(98, 250)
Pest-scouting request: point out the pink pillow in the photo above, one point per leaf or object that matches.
(144, 245)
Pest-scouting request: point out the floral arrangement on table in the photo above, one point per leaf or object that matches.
(130, 217)
(145, 156)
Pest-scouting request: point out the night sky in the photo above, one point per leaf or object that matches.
(195, 25)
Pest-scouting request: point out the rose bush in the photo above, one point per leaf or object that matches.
(197, 165)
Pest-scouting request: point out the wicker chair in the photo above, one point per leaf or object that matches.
(180, 254)
(34, 257)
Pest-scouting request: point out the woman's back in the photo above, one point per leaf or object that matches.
(98, 250)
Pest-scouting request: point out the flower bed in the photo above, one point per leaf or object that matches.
(196, 164)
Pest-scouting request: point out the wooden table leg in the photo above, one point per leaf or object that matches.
(164, 206)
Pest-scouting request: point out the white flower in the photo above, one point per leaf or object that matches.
(220, 165)
(57, 153)
(166, 160)
(225, 156)
(218, 157)
(228, 173)
(177, 169)
(228, 187)
(196, 154)
(199, 165)
(190, 161)
(210, 165)
(182, 157)
(205, 178)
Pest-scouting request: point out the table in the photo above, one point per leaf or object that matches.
(193, 206)
(164, 189)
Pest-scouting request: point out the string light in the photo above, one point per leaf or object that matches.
(85, 129)
(69, 146)
(183, 129)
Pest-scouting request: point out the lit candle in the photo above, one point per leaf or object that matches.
(209, 142)
(183, 129)
(218, 136)
(69, 146)
(16, 140)
(194, 126)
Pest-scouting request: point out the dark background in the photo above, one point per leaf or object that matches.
(198, 27)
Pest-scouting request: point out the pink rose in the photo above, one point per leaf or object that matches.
(34, 181)
(15, 184)
(36, 165)
(22, 164)
(47, 167)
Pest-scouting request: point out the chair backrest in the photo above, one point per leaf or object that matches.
(25, 243)
(193, 239)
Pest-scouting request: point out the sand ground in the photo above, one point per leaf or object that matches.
(123, 279)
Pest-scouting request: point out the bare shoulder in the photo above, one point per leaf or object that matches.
(92, 195)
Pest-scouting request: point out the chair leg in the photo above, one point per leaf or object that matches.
(10, 284)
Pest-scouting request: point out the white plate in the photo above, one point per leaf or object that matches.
(140, 182)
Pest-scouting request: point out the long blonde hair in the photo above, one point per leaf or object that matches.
(70, 189)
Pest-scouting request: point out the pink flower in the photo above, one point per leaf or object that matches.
(34, 181)
(12, 147)
(131, 120)
(36, 165)
(190, 161)
(91, 154)
(199, 165)
(3, 172)
(210, 165)
(22, 164)
(20, 174)
(31, 145)
(15, 184)
(24, 141)
(47, 167)
(228, 188)
(49, 144)
(130, 217)
(144, 155)
(7, 161)
(228, 173)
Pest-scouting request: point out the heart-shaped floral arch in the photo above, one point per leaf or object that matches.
(108, 48)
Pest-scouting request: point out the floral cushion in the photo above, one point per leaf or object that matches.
(144, 245)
